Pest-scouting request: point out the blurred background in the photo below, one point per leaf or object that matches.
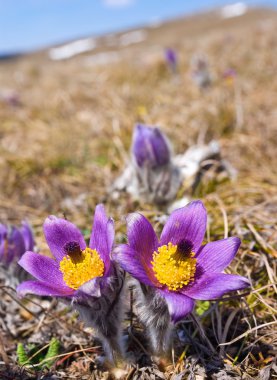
(75, 76)
(34, 24)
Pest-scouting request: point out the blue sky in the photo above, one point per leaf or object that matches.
(31, 24)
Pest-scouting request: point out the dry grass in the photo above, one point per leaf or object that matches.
(63, 147)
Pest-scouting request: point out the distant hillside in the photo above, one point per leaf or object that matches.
(165, 33)
(8, 56)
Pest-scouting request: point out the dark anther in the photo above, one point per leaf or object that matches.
(184, 247)
(73, 250)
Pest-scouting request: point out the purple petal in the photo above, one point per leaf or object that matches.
(131, 262)
(90, 288)
(3, 243)
(142, 238)
(150, 147)
(3, 229)
(43, 268)
(178, 304)
(28, 236)
(186, 223)
(41, 289)
(58, 232)
(214, 285)
(217, 255)
(171, 56)
(3, 237)
(102, 235)
(15, 246)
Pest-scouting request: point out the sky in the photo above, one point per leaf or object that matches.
(26, 25)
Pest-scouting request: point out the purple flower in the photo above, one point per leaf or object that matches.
(171, 59)
(76, 269)
(14, 242)
(83, 275)
(229, 73)
(178, 266)
(150, 147)
(28, 236)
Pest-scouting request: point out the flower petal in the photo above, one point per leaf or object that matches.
(90, 288)
(130, 261)
(142, 238)
(3, 237)
(58, 232)
(214, 285)
(44, 269)
(41, 289)
(178, 304)
(186, 223)
(102, 235)
(28, 235)
(14, 247)
(217, 255)
(150, 147)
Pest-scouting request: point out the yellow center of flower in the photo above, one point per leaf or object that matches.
(80, 267)
(172, 267)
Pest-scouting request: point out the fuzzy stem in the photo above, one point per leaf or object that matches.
(153, 313)
(104, 314)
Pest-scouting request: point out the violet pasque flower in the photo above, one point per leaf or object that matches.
(84, 275)
(177, 269)
(14, 242)
(150, 147)
(171, 59)
(155, 178)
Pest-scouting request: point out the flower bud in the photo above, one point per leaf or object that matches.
(150, 147)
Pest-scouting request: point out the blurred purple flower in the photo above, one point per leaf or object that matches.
(229, 73)
(14, 242)
(84, 276)
(178, 266)
(150, 147)
(10, 97)
(28, 236)
(229, 76)
(171, 59)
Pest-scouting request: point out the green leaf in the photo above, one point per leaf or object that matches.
(201, 307)
(22, 357)
(53, 351)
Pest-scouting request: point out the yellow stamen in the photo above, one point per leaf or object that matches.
(78, 271)
(173, 269)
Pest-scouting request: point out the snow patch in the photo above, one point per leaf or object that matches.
(71, 49)
(234, 10)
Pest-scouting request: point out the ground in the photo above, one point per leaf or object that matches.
(67, 138)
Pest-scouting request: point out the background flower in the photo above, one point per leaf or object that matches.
(150, 147)
(14, 242)
(171, 59)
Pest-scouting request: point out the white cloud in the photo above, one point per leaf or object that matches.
(118, 3)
